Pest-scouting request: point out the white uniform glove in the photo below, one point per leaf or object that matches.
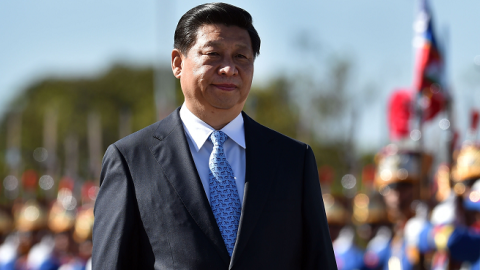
(445, 212)
(415, 225)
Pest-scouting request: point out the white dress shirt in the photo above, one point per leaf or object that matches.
(198, 132)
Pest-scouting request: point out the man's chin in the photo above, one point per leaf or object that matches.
(226, 109)
(226, 105)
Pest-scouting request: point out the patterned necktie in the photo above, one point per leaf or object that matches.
(224, 198)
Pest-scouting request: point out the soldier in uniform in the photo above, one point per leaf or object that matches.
(6, 224)
(83, 237)
(8, 248)
(371, 214)
(337, 214)
(455, 223)
(62, 219)
(31, 223)
(398, 176)
(347, 254)
(56, 246)
(82, 232)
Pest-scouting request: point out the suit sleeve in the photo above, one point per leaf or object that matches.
(317, 249)
(115, 215)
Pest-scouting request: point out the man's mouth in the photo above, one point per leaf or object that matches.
(226, 86)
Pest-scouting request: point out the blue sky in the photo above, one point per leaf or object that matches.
(70, 38)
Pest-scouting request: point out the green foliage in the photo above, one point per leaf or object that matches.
(72, 100)
(271, 107)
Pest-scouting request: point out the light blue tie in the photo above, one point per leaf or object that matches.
(224, 198)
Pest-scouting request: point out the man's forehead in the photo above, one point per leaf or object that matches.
(218, 43)
(214, 34)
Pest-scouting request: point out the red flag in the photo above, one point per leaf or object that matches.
(399, 112)
(433, 103)
(474, 123)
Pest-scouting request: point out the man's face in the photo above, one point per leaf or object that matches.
(217, 71)
(399, 199)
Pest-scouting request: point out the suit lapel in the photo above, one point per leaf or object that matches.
(258, 179)
(173, 154)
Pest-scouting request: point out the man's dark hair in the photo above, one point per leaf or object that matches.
(213, 13)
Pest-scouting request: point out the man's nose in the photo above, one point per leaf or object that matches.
(228, 68)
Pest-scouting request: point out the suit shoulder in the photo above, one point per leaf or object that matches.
(283, 139)
(137, 138)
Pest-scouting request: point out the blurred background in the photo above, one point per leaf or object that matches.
(75, 76)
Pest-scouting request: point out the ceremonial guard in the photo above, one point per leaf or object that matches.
(8, 249)
(347, 254)
(6, 224)
(9, 242)
(455, 223)
(398, 177)
(56, 246)
(337, 214)
(83, 236)
(370, 213)
(33, 248)
(82, 232)
(62, 219)
(8, 252)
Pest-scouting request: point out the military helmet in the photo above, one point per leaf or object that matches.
(32, 216)
(60, 219)
(467, 166)
(369, 209)
(336, 213)
(84, 224)
(399, 166)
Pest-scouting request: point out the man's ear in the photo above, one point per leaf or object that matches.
(177, 63)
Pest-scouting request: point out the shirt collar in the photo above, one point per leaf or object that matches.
(199, 131)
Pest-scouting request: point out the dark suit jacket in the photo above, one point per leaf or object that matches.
(152, 211)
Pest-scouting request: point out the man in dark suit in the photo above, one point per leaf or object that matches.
(187, 193)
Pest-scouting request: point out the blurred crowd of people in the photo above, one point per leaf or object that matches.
(398, 221)
(42, 233)
(403, 221)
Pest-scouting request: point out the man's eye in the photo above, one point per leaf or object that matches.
(212, 53)
(241, 56)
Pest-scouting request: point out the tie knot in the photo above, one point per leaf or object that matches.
(218, 137)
